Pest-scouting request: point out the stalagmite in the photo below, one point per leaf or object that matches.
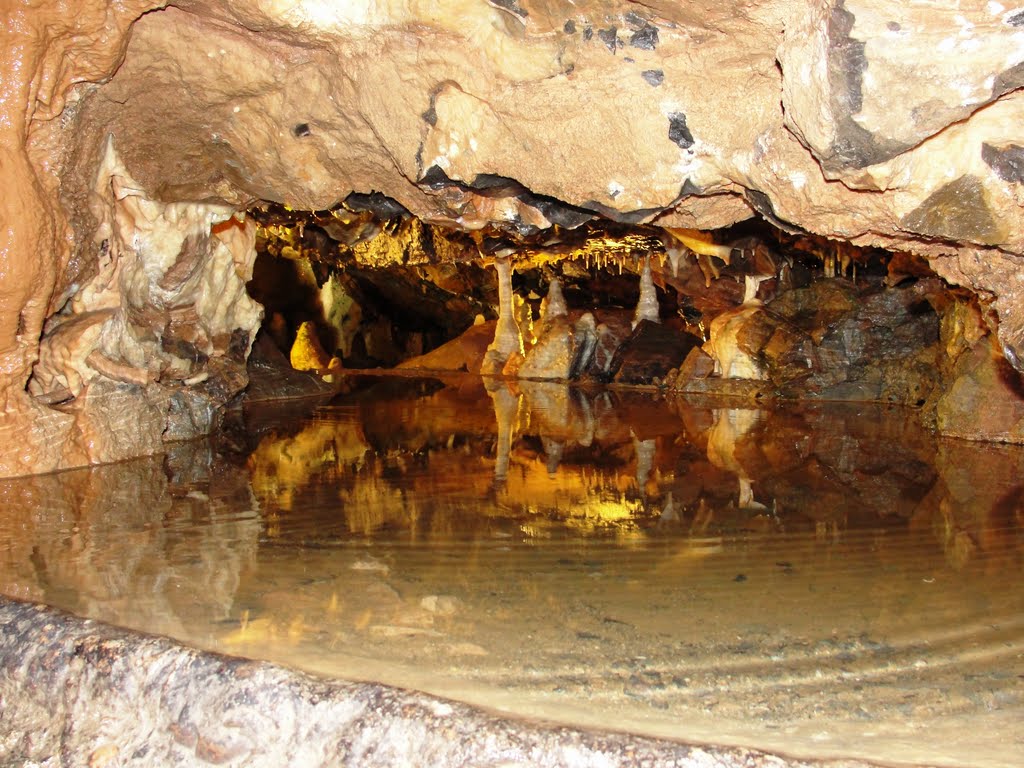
(647, 306)
(585, 335)
(508, 340)
(554, 303)
(756, 264)
(731, 361)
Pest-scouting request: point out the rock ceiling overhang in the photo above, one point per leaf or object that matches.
(881, 123)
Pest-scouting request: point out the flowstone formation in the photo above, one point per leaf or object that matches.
(863, 121)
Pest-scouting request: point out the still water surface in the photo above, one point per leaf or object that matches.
(826, 580)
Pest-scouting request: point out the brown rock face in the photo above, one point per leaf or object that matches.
(132, 133)
(986, 400)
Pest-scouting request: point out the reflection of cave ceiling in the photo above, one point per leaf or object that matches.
(864, 121)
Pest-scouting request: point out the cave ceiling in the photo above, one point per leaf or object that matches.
(878, 123)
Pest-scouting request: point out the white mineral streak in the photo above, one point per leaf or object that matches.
(524, 319)
(647, 305)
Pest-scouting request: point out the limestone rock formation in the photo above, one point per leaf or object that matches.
(863, 120)
(985, 400)
(563, 351)
(837, 340)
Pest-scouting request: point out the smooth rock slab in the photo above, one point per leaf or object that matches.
(75, 692)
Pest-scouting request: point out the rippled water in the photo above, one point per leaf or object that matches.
(827, 580)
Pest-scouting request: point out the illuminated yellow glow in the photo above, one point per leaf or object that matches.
(701, 242)
(307, 354)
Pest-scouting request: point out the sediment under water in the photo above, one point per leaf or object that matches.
(819, 580)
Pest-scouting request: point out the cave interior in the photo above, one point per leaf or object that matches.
(680, 299)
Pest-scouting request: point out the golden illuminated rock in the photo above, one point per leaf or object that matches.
(307, 353)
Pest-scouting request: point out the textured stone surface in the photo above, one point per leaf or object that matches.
(650, 352)
(985, 398)
(862, 120)
(76, 692)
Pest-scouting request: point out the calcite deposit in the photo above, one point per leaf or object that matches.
(135, 136)
(91, 684)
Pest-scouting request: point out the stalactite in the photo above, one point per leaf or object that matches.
(675, 255)
(647, 306)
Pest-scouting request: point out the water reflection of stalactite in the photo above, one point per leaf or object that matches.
(537, 424)
(731, 425)
(644, 450)
(590, 459)
(553, 451)
(506, 413)
(281, 464)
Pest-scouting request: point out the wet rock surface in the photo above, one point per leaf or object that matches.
(77, 692)
(882, 347)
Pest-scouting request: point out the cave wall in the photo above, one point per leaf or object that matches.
(872, 121)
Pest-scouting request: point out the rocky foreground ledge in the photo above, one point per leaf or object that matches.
(75, 692)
